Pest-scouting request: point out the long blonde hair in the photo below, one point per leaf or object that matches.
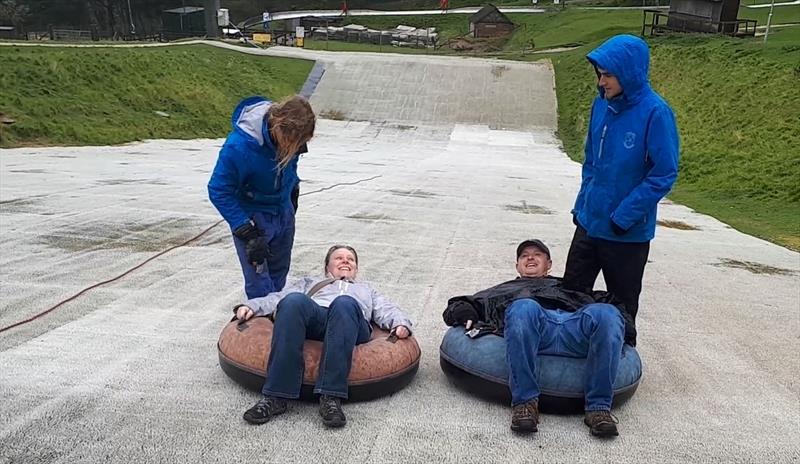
(291, 124)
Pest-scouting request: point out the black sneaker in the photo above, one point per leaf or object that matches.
(266, 407)
(525, 417)
(602, 424)
(330, 408)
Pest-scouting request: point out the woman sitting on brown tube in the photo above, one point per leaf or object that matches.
(337, 310)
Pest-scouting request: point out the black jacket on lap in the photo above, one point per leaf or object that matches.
(489, 306)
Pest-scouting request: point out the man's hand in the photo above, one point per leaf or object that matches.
(464, 313)
(402, 331)
(244, 313)
(256, 245)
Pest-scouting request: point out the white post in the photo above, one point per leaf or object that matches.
(769, 20)
(130, 17)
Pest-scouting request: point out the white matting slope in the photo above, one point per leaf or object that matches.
(129, 373)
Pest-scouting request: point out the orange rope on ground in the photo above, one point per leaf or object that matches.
(62, 302)
(161, 253)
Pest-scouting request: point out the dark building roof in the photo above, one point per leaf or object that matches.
(489, 14)
(185, 10)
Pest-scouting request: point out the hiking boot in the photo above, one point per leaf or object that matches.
(525, 417)
(330, 408)
(602, 424)
(266, 407)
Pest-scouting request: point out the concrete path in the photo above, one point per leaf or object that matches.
(446, 174)
(281, 15)
(768, 5)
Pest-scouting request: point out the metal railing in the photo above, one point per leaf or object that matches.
(417, 38)
(70, 35)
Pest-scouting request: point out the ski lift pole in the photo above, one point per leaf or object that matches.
(769, 20)
(130, 17)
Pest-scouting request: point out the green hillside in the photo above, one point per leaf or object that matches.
(98, 96)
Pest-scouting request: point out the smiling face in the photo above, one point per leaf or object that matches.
(342, 264)
(609, 83)
(533, 262)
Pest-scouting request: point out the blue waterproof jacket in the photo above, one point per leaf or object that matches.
(246, 178)
(631, 148)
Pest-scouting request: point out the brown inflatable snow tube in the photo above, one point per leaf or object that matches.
(381, 366)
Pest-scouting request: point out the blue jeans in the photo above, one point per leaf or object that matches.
(269, 276)
(594, 332)
(340, 328)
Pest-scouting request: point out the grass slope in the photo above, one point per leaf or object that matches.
(98, 96)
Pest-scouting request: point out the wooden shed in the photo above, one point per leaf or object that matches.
(489, 22)
(714, 16)
(8, 32)
(702, 15)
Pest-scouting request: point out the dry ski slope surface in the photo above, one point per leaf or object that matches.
(467, 166)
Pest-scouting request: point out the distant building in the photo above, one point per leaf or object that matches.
(713, 16)
(489, 22)
(702, 15)
(187, 21)
(8, 32)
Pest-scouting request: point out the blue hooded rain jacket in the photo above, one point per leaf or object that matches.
(246, 178)
(632, 147)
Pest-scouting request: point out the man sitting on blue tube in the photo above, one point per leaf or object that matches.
(537, 315)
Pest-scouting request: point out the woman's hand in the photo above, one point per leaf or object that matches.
(402, 331)
(244, 313)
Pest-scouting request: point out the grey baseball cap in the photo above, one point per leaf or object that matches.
(534, 242)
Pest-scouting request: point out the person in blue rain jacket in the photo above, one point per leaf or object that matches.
(255, 187)
(631, 163)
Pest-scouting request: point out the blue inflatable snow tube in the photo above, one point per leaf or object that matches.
(479, 366)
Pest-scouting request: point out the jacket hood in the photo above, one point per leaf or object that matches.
(628, 58)
(249, 118)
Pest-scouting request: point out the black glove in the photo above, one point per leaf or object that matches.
(256, 245)
(461, 312)
(295, 197)
(617, 229)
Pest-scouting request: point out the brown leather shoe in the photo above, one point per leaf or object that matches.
(525, 417)
(602, 424)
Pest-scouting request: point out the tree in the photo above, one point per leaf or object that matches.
(13, 13)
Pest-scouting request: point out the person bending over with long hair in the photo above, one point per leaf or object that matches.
(255, 186)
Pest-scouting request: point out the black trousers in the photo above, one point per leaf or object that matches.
(622, 264)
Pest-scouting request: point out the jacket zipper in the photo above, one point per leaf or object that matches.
(602, 142)
(342, 284)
